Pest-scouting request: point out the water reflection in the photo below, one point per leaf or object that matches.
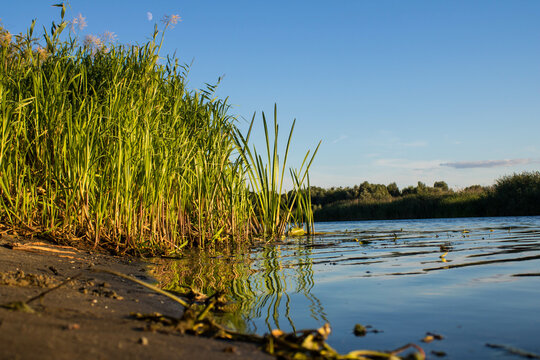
(394, 275)
(260, 282)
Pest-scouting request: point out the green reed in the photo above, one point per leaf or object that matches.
(105, 143)
(273, 210)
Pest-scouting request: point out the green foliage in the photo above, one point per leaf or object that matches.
(393, 189)
(518, 194)
(273, 210)
(413, 206)
(443, 186)
(105, 143)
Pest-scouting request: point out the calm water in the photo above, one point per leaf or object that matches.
(389, 275)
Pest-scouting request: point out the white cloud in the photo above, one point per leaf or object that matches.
(149, 16)
(409, 164)
(489, 163)
(413, 144)
(389, 139)
(372, 155)
(339, 139)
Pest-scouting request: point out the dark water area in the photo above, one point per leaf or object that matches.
(472, 280)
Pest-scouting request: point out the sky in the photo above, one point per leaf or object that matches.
(396, 91)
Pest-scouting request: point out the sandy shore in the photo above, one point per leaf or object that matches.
(88, 318)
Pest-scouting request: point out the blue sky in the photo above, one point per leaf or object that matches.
(398, 91)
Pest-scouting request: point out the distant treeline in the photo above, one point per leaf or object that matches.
(512, 195)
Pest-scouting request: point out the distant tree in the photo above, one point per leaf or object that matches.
(318, 195)
(393, 189)
(421, 188)
(409, 190)
(380, 192)
(475, 189)
(367, 191)
(518, 194)
(443, 186)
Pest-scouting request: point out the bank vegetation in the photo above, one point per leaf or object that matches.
(103, 143)
(512, 195)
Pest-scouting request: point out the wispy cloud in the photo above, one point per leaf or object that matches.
(149, 16)
(339, 139)
(413, 144)
(408, 164)
(372, 155)
(388, 140)
(489, 163)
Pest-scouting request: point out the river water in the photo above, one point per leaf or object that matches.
(472, 280)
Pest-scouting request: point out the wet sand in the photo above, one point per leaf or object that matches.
(88, 318)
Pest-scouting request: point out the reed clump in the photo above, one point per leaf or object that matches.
(106, 144)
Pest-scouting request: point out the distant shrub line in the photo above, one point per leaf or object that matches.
(513, 195)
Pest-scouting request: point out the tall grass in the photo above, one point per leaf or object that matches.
(274, 212)
(106, 144)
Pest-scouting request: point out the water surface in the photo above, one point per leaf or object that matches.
(472, 280)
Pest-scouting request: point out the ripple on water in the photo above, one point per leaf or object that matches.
(475, 280)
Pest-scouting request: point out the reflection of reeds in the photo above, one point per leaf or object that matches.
(305, 283)
(208, 273)
(261, 285)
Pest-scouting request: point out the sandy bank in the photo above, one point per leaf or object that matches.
(88, 318)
